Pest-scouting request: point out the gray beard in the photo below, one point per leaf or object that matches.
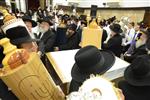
(139, 43)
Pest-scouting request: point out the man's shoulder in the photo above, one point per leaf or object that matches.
(117, 37)
(49, 33)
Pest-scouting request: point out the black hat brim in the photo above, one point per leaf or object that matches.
(34, 24)
(109, 60)
(112, 28)
(42, 20)
(133, 80)
(23, 40)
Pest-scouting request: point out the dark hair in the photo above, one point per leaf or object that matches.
(132, 23)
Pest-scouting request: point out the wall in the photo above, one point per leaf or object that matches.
(99, 3)
(42, 3)
(20, 5)
(147, 17)
(135, 14)
(135, 3)
(60, 2)
(123, 3)
(7, 2)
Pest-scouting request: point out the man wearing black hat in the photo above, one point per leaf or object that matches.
(72, 39)
(89, 60)
(115, 41)
(22, 40)
(47, 36)
(136, 85)
(140, 47)
(30, 24)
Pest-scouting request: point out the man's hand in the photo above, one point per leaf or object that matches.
(124, 44)
(122, 97)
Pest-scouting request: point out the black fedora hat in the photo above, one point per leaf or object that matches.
(18, 35)
(66, 17)
(116, 28)
(46, 19)
(91, 60)
(28, 18)
(138, 73)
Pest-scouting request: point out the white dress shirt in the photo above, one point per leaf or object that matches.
(129, 36)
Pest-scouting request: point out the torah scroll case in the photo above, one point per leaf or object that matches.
(31, 80)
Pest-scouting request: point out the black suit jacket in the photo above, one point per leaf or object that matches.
(137, 52)
(72, 43)
(134, 92)
(60, 36)
(104, 37)
(114, 45)
(5, 94)
(47, 41)
(79, 32)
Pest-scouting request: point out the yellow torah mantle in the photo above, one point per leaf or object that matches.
(28, 80)
(92, 35)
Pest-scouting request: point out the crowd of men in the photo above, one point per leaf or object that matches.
(55, 31)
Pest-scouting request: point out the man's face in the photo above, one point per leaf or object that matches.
(69, 33)
(30, 46)
(44, 26)
(137, 28)
(29, 26)
(68, 22)
(129, 26)
(112, 33)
